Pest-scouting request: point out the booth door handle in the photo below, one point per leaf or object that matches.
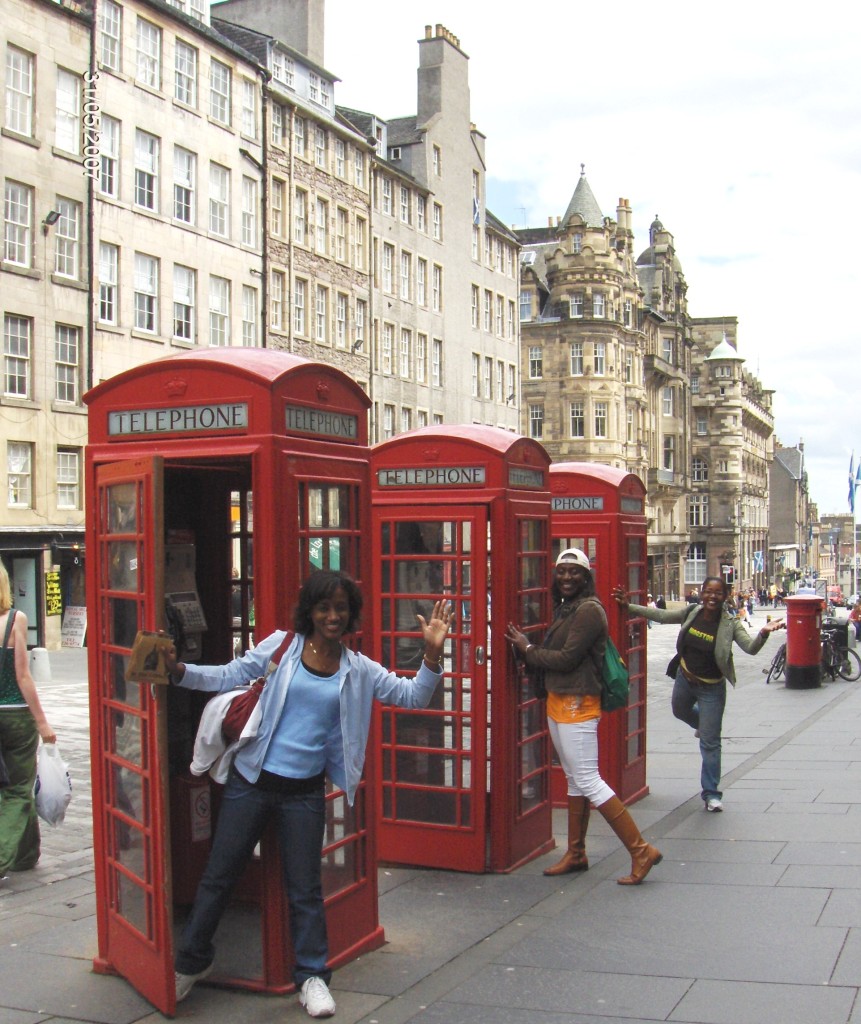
(480, 655)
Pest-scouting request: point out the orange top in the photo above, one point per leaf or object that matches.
(567, 709)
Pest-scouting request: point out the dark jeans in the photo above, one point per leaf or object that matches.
(19, 824)
(299, 821)
(701, 705)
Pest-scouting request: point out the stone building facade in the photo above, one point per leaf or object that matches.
(731, 451)
(445, 329)
(177, 212)
(667, 379)
(381, 255)
(792, 515)
(605, 361)
(48, 127)
(318, 187)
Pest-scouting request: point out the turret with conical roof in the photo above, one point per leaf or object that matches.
(583, 204)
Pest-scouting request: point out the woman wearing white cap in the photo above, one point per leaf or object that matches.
(571, 657)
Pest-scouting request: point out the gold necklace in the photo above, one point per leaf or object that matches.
(330, 655)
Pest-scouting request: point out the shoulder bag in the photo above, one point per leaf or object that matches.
(241, 706)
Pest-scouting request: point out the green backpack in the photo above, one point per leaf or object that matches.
(614, 679)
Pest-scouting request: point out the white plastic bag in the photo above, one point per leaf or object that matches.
(53, 784)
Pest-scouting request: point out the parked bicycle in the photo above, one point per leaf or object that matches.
(837, 658)
(777, 666)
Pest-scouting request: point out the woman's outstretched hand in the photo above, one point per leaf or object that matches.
(770, 627)
(620, 596)
(519, 641)
(435, 629)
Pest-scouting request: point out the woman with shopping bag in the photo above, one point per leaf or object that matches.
(22, 722)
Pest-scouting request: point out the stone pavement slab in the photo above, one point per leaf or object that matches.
(716, 1002)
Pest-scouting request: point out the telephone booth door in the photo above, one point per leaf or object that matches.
(601, 510)
(128, 723)
(433, 763)
(464, 784)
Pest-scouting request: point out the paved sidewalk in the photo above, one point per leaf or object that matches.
(754, 916)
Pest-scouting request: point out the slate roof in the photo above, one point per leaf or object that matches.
(403, 131)
(792, 460)
(360, 119)
(584, 203)
(257, 44)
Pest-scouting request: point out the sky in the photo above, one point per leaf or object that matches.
(738, 124)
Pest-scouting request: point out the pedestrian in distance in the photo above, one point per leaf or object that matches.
(315, 718)
(571, 658)
(701, 668)
(22, 723)
(855, 618)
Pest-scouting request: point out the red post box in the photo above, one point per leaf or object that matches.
(601, 510)
(803, 647)
(216, 481)
(462, 511)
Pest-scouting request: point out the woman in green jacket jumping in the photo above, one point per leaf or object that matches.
(704, 664)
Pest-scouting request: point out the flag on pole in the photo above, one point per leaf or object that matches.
(853, 483)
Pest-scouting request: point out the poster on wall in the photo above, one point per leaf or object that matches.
(53, 594)
(74, 627)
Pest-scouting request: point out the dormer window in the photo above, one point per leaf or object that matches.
(395, 153)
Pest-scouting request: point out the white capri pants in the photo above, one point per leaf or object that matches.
(576, 746)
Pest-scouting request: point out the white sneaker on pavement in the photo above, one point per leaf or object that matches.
(714, 804)
(314, 995)
(186, 982)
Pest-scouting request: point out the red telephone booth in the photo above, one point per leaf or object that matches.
(462, 511)
(216, 481)
(601, 510)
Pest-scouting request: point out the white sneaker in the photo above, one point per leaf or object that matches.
(185, 982)
(314, 995)
(714, 804)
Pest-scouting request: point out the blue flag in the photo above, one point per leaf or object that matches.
(852, 482)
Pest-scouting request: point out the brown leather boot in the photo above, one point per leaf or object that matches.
(643, 856)
(574, 858)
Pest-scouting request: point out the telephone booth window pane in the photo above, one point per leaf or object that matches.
(122, 508)
(634, 577)
(128, 793)
(123, 622)
(130, 847)
(125, 692)
(531, 572)
(133, 904)
(531, 535)
(466, 539)
(123, 566)
(126, 737)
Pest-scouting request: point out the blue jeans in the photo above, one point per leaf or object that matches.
(701, 705)
(299, 821)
